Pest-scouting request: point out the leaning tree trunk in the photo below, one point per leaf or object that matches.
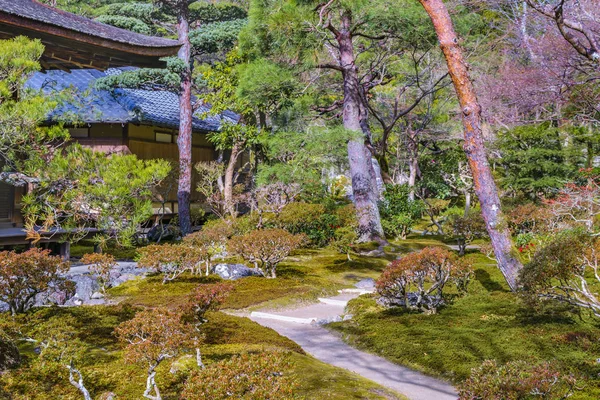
(361, 167)
(484, 184)
(184, 140)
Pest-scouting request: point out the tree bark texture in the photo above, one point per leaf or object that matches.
(184, 140)
(484, 184)
(236, 151)
(364, 183)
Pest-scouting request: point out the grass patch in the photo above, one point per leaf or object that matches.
(489, 323)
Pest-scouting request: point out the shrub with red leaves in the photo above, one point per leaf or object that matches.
(25, 275)
(100, 265)
(265, 248)
(207, 297)
(517, 380)
(417, 280)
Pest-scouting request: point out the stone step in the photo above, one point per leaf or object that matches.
(256, 314)
(359, 291)
(334, 302)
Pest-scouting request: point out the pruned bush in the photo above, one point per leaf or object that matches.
(100, 265)
(172, 260)
(152, 336)
(562, 271)
(398, 212)
(529, 218)
(209, 242)
(206, 297)
(265, 248)
(311, 220)
(516, 380)
(25, 275)
(417, 280)
(262, 376)
(466, 228)
(344, 240)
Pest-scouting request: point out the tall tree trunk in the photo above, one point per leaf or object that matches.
(236, 151)
(364, 184)
(484, 184)
(184, 140)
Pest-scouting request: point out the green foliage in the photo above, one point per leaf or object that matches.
(214, 12)
(398, 214)
(216, 37)
(309, 219)
(535, 161)
(266, 85)
(80, 188)
(129, 23)
(145, 78)
(301, 157)
(519, 380)
(23, 110)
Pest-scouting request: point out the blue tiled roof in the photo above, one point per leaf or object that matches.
(150, 107)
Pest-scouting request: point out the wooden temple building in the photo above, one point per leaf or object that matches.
(77, 52)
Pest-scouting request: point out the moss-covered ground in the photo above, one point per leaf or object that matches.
(105, 371)
(488, 323)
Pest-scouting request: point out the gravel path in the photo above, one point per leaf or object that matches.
(329, 348)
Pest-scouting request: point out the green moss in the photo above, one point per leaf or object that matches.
(225, 335)
(489, 323)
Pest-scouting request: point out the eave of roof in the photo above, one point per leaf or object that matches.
(74, 39)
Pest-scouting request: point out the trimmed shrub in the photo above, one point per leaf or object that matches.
(344, 240)
(562, 271)
(25, 275)
(417, 280)
(152, 336)
(466, 228)
(265, 248)
(311, 220)
(516, 380)
(172, 260)
(209, 242)
(100, 265)
(398, 213)
(207, 297)
(262, 376)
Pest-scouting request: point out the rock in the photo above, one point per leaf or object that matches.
(86, 286)
(164, 232)
(9, 355)
(374, 253)
(367, 283)
(97, 295)
(235, 271)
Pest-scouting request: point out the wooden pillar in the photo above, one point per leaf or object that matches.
(65, 250)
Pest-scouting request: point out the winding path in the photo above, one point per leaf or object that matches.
(302, 326)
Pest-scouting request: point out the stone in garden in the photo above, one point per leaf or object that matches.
(235, 271)
(97, 295)
(368, 283)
